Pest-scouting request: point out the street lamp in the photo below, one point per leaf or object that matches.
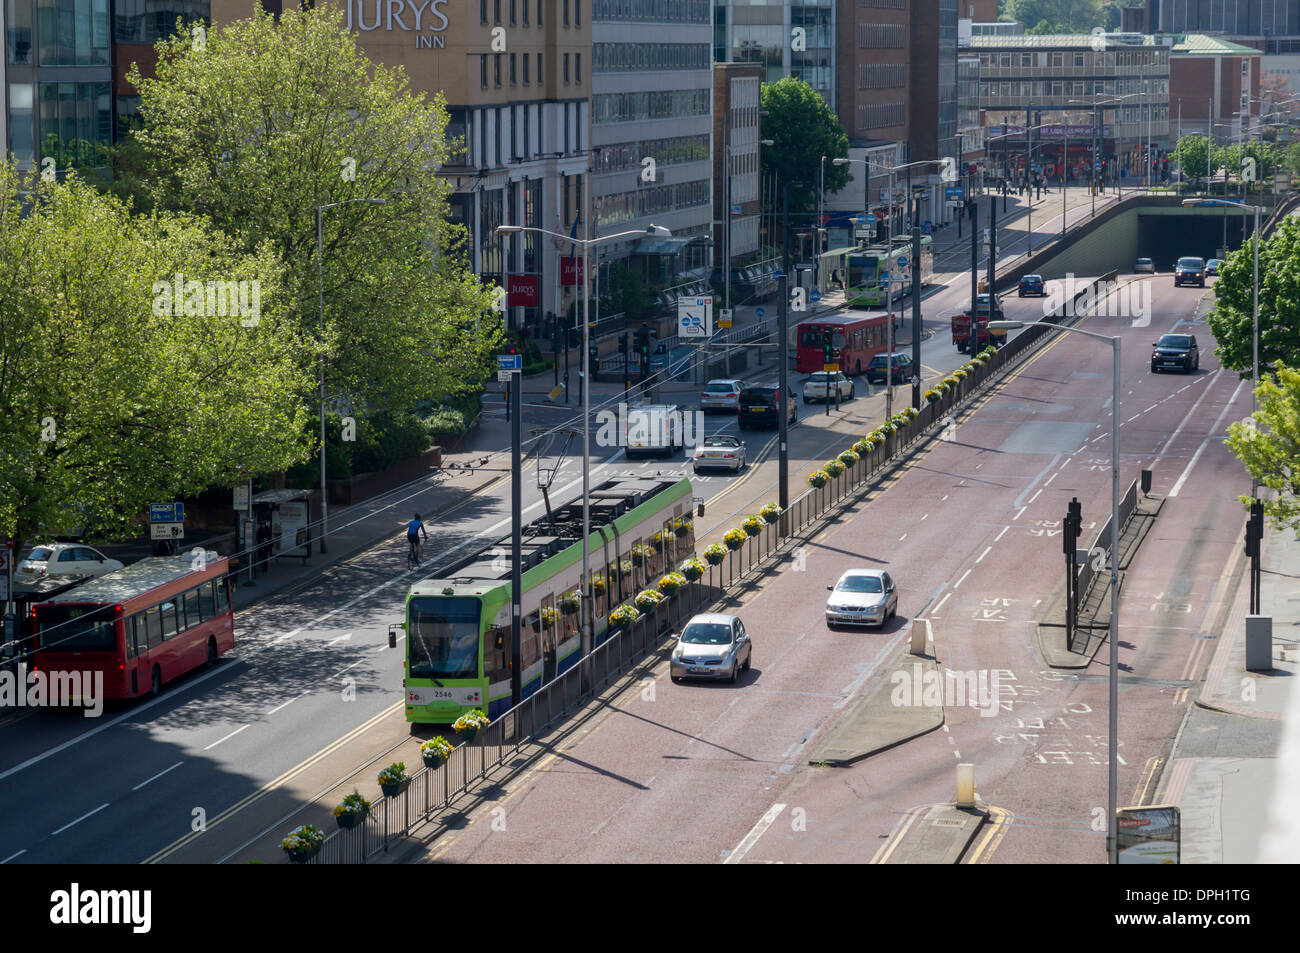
(653, 231)
(320, 296)
(1254, 343)
(1113, 719)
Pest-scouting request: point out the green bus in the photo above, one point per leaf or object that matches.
(458, 625)
(865, 289)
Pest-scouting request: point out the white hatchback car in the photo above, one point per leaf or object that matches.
(712, 645)
(861, 597)
(821, 383)
(62, 562)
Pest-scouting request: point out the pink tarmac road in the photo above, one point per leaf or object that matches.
(971, 529)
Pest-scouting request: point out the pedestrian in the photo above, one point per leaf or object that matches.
(264, 545)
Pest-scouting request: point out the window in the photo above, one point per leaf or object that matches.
(577, 12)
(566, 69)
(539, 23)
(512, 11)
(193, 611)
(168, 613)
(514, 79)
(496, 13)
(525, 5)
(566, 13)
(577, 67)
(207, 603)
(482, 70)
(525, 69)
(540, 80)
(223, 596)
(482, 11)
(128, 628)
(74, 32)
(152, 627)
(496, 69)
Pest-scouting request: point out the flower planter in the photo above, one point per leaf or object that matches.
(432, 759)
(469, 734)
(395, 788)
(303, 855)
(349, 821)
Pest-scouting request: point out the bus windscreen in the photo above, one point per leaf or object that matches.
(862, 270)
(71, 628)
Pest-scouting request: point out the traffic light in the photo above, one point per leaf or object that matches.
(828, 352)
(643, 340)
(622, 344)
(1254, 529)
(1073, 526)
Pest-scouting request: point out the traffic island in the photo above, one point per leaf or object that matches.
(934, 834)
(1092, 618)
(905, 702)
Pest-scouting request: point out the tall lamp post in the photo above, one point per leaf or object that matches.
(1254, 336)
(653, 231)
(320, 301)
(1112, 787)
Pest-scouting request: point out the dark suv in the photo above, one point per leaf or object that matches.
(878, 369)
(758, 406)
(1176, 350)
(1189, 271)
(1033, 285)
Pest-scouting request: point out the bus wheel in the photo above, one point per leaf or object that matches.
(212, 651)
(157, 682)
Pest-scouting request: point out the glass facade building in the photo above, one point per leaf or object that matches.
(763, 32)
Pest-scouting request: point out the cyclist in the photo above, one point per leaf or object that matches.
(414, 530)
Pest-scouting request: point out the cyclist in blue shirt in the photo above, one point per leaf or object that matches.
(414, 530)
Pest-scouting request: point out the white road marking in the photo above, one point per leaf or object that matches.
(158, 775)
(288, 703)
(1001, 534)
(1048, 481)
(962, 579)
(78, 820)
(1151, 408)
(758, 830)
(12, 856)
(946, 597)
(1019, 511)
(346, 667)
(1035, 496)
(945, 496)
(341, 638)
(903, 537)
(227, 738)
(1206, 442)
(923, 517)
(987, 549)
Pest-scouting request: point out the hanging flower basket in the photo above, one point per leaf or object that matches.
(659, 539)
(771, 512)
(714, 554)
(394, 779)
(932, 395)
(598, 585)
(571, 602)
(352, 811)
(848, 458)
(733, 539)
(435, 751)
(548, 616)
(862, 447)
(752, 525)
(671, 583)
(818, 479)
(622, 617)
(693, 568)
(303, 843)
(647, 600)
(910, 413)
(833, 468)
(682, 527)
(641, 553)
(469, 724)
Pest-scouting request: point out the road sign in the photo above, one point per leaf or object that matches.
(510, 362)
(504, 376)
(830, 368)
(814, 295)
(759, 312)
(724, 318)
(915, 380)
(166, 530)
(902, 261)
(695, 317)
(241, 498)
(166, 512)
(871, 218)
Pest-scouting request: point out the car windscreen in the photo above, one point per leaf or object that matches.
(860, 584)
(72, 628)
(1175, 340)
(443, 636)
(720, 442)
(720, 387)
(880, 360)
(1190, 263)
(707, 633)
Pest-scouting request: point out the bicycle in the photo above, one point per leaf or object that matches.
(412, 552)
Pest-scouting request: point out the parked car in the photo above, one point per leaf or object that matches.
(1145, 265)
(759, 406)
(712, 645)
(723, 394)
(878, 371)
(823, 386)
(861, 597)
(1212, 266)
(1176, 350)
(1189, 271)
(719, 450)
(65, 562)
(1033, 285)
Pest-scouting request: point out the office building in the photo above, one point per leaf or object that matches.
(736, 156)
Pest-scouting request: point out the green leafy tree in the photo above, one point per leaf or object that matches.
(109, 399)
(1194, 157)
(1268, 444)
(803, 129)
(1231, 319)
(1057, 16)
(271, 120)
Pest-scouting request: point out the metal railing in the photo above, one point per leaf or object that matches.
(431, 790)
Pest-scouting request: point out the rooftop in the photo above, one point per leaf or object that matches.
(1198, 44)
(1059, 41)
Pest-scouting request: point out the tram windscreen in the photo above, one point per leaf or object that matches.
(442, 636)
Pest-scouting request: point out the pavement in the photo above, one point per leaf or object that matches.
(1224, 770)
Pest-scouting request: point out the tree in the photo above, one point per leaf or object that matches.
(265, 122)
(1268, 444)
(1193, 156)
(803, 129)
(1057, 16)
(1231, 320)
(114, 390)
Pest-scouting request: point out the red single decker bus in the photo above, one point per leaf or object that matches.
(143, 625)
(855, 339)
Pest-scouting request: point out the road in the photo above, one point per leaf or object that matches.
(312, 689)
(710, 773)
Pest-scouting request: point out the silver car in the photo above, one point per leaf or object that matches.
(861, 597)
(713, 645)
(719, 450)
(1145, 264)
(723, 394)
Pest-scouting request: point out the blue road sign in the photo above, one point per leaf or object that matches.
(815, 295)
(759, 312)
(166, 512)
(871, 218)
(902, 261)
(859, 219)
(510, 362)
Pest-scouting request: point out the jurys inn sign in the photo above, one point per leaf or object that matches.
(421, 17)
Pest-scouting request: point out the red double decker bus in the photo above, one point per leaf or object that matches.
(141, 626)
(856, 339)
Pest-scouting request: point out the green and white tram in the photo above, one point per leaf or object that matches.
(458, 625)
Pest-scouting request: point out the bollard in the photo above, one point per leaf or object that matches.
(965, 785)
(1259, 643)
(920, 636)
